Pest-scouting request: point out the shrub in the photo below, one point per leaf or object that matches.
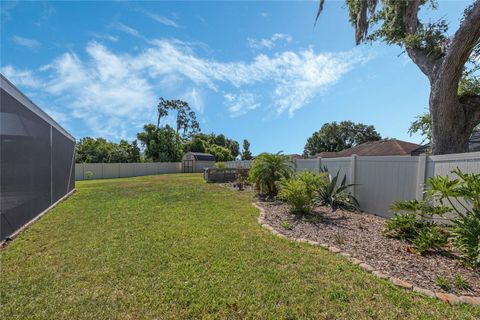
(430, 238)
(88, 175)
(466, 238)
(337, 196)
(266, 171)
(404, 226)
(443, 283)
(299, 191)
(460, 196)
(220, 165)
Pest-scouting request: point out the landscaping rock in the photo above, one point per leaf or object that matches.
(470, 300)
(447, 297)
(366, 266)
(361, 235)
(426, 292)
(380, 275)
(401, 283)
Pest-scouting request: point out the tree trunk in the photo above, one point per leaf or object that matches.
(451, 127)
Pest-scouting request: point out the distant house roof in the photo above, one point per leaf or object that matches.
(391, 147)
(199, 156)
(295, 156)
(473, 145)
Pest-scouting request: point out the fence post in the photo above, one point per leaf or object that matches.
(353, 165)
(319, 164)
(295, 165)
(421, 173)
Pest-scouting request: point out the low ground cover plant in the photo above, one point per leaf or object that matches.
(301, 189)
(415, 220)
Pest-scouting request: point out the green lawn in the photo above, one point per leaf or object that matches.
(174, 247)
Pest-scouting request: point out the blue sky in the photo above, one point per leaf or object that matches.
(254, 70)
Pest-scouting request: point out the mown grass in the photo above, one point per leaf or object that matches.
(174, 247)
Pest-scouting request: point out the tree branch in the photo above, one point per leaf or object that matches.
(411, 22)
(462, 44)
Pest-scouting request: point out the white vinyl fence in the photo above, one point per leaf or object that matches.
(245, 164)
(123, 170)
(382, 180)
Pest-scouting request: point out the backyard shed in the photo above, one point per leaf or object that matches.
(197, 161)
(36, 160)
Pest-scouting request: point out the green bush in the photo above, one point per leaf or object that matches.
(337, 196)
(404, 226)
(466, 238)
(430, 238)
(300, 191)
(220, 165)
(267, 170)
(460, 197)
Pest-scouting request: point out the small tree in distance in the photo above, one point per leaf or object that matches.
(246, 154)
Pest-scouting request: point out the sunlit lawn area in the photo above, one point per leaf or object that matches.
(174, 247)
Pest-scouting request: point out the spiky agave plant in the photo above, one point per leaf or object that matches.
(337, 196)
(267, 169)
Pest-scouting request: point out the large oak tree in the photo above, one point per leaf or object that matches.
(449, 62)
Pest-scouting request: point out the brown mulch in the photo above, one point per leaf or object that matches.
(360, 234)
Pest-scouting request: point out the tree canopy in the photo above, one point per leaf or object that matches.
(186, 119)
(246, 154)
(161, 144)
(91, 150)
(339, 136)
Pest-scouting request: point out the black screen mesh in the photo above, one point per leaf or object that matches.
(27, 167)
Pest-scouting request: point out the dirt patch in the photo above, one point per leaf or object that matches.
(360, 234)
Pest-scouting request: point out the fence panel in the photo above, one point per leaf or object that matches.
(311, 165)
(124, 170)
(384, 180)
(340, 165)
(246, 164)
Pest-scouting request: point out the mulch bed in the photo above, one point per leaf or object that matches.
(360, 234)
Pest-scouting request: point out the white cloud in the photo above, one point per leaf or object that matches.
(264, 14)
(161, 19)
(194, 99)
(239, 104)
(20, 77)
(25, 42)
(269, 43)
(115, 92)
(128, 30)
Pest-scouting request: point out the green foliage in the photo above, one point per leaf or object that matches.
(286, 225)
(186, 118)
(443, 283)
(336, 196)
(339, 136)
(404, 226)
(161, 144)
(91, 150)
(201, 142)
(300, 191)
(460, 197)
(88, 175)
(466, 237)
(220, 165)
(430, 238)
(246, 154)
(422, 125)
(460, 282)
(267, 170)
(220, 153)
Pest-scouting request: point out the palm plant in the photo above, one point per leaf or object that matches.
(267, 170)
(337, 196)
